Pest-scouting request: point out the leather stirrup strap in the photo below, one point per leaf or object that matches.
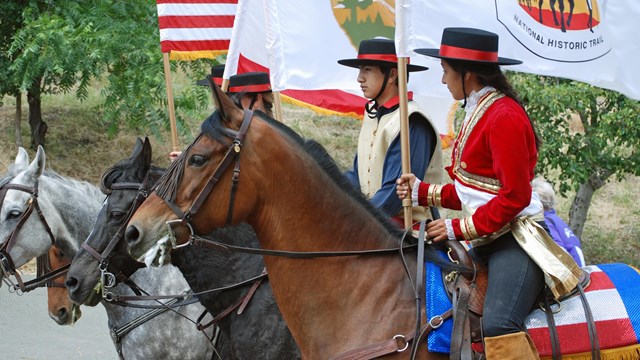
(461, 335)
(591, 325)
(556, 352)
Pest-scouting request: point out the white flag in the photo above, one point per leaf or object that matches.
(592, 41)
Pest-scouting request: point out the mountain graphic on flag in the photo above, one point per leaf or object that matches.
(366, 19)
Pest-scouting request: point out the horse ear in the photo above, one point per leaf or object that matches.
(36, 168)
(229, 112)
(141, 155)
(146, 150)
(137, 148)
(21, 162)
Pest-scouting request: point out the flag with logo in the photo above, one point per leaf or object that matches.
(193, 29)
(305, 39)
(592, 41)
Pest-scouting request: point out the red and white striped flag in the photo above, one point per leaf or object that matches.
(194, 29)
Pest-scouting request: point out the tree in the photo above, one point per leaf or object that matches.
(10, 22)
(66, 45)
(590, 135)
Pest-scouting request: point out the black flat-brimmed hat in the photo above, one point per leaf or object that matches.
(381, 52)
(469, 44)
(216, 75)
(254, 82)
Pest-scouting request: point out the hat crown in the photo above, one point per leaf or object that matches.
(469, 38)
(468, 44)
(217, 70)
(377, 47)
(250, 82)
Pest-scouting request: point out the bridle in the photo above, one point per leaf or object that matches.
(45, 275)
(233, 153)
(107, 279)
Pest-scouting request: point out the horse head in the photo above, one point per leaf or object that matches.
(61, 308)
(24, 233)
(39, 209)
(102, 253)
(204, 175)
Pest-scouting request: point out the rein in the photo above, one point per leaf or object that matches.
(6, 262)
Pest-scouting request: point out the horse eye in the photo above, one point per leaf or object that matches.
(13, 214)
(59, 254)
(116, 216)
(197, 160)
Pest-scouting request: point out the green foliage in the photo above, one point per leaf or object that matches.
(587, 132)
(10, 22)
(73, 45)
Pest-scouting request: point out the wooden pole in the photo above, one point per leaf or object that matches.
(404, 135)
(225, 85)
(278, 105)
(172, 111)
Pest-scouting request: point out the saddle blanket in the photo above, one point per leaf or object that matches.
(613, 295)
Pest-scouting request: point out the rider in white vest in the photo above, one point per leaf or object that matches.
(377, 163)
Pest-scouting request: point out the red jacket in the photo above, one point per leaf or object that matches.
(494, 155)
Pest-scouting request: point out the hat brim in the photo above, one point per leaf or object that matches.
(356, 63)
(436, 54)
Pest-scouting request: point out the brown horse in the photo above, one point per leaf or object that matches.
(332, 305)
(61, 308)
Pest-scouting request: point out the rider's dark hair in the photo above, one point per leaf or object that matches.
(491, 75)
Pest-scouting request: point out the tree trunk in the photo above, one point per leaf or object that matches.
(16, 127)
(582, 201)
(38, 127)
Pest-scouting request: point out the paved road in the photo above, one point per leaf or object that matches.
(28, 333)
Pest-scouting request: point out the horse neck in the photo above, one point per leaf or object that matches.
(73, 208)
(331, 216)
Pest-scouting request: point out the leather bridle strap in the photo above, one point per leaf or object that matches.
(392, 345)
(121, 298)
(6, 262)
(209, 243)
(240, 304)
(232, 154)
(140, 197)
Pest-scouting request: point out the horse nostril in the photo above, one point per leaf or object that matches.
(71, 283)
(63, 315)
(132, 234)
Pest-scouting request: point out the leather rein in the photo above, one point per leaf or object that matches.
(398, 343)
(45, 275)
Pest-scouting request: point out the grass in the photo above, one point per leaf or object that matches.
(77, 145)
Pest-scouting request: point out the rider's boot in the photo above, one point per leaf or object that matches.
(516, 346)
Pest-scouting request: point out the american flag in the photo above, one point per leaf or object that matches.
(193, 29)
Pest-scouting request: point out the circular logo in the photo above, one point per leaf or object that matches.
(365, 19)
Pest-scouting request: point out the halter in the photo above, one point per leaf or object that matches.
(233, 153)
(45, 276)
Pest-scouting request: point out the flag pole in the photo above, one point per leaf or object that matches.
(278, 105)
(404, 135)
(225, 84)
(172, 111)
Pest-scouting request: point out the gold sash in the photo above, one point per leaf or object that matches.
(561, 273)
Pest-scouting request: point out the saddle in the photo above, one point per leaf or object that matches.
(467, 294)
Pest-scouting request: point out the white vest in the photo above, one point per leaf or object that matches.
(373, 143)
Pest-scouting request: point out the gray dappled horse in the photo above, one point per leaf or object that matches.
(69, 208)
